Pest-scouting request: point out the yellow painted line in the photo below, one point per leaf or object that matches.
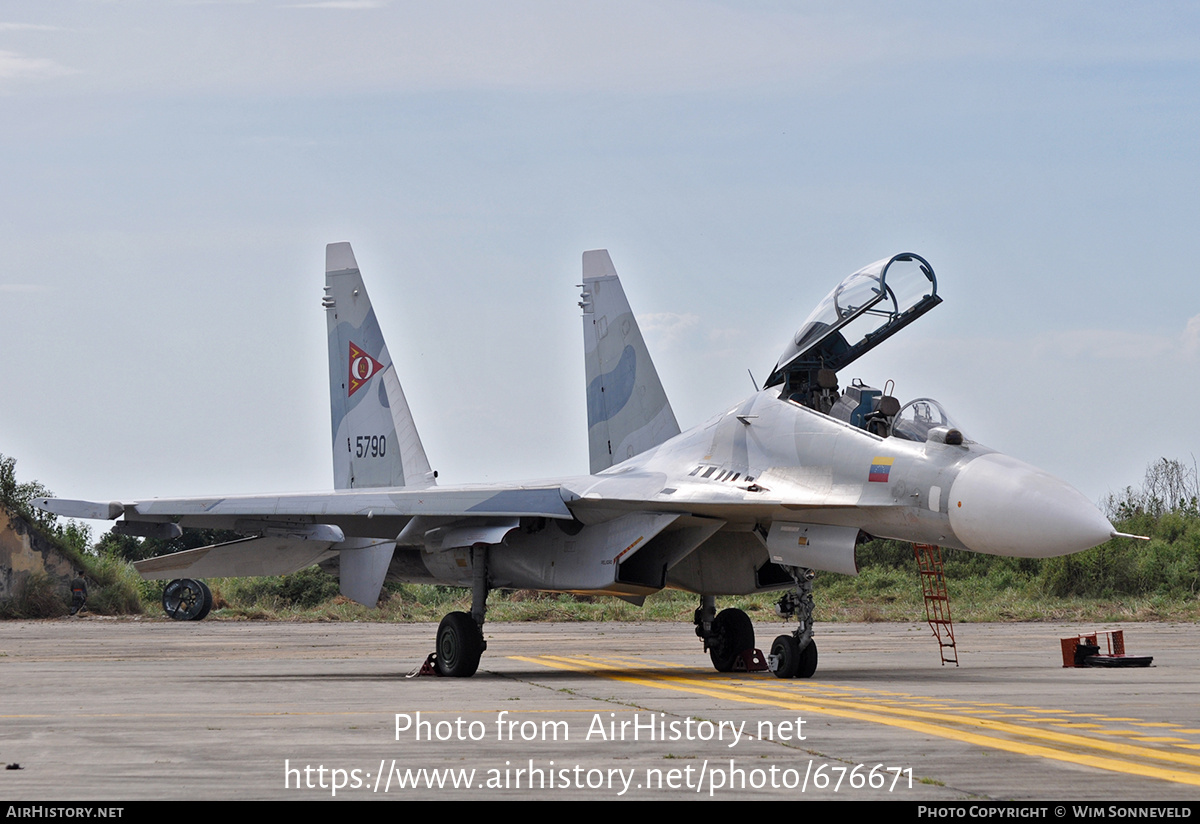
(1072, 725)
(908, 706)
(637, 661)
(942, 705)
(1066, 714)
(206, 713)
(912, 720)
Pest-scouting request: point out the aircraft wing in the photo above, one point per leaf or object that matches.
(587, 498)
(486, 500)
(287, 532)
(291, 531)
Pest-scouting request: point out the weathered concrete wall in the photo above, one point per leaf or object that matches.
(23, 552)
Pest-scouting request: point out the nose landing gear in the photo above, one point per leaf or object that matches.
(795, 655)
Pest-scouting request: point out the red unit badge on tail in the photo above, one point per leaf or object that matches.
(363, 367)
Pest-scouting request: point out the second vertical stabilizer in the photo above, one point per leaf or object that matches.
(628, 410)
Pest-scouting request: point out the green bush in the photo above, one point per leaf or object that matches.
(304, 589)
(40, 596)
(118, 587)
(880, 553)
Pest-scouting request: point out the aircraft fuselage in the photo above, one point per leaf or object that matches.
(715, 509)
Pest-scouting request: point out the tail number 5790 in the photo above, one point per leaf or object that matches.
(368, 446)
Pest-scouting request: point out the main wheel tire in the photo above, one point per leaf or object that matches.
(808, 661)
(208, 601)
(183, 600)
(733, 634)
(788, 652)
(459, 645)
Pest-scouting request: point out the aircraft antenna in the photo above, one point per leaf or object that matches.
(753, 382)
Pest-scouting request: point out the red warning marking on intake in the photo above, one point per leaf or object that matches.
(362, 368)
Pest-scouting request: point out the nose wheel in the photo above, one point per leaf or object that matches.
(795, 655)
(791, 660)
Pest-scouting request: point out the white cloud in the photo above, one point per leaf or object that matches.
(1191, 336)
(26, 27)
(14, 66)
(666, 329)
(617, 45)
(1115, 345)
(726, 335)
(642, 46)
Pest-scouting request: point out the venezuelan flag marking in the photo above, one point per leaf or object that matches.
(880, 469)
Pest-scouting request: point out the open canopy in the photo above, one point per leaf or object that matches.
(861, 312)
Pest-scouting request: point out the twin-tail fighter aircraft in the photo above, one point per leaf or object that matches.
(785, 483)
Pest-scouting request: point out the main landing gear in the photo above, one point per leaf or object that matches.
(185, 599)
(460, 645)
(460, 642)
(795, 655)
(728, 637)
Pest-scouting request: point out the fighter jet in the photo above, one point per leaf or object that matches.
(760, 497)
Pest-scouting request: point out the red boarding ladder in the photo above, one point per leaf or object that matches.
(937, 600)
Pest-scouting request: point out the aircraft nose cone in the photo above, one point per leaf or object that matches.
(1003, 506)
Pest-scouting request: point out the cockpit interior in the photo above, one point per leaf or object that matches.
(861, 312)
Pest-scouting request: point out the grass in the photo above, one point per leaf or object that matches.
(1122, 580)
(875, 596)
(878, 594)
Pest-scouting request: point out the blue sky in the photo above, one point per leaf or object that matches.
(172, 172)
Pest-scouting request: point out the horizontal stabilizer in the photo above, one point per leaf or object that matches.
(237, 559)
